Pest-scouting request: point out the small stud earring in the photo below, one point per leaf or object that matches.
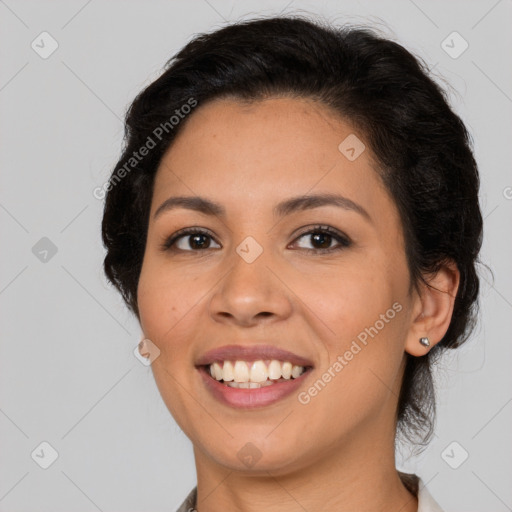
(425, 342)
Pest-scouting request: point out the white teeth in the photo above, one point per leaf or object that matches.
(256, 374)
(249, 385)
(227, 372)
(241, 371)
(274, 370)
(296, 371)
(286, 370)
(217, 371)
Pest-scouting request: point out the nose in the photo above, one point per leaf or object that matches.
(250, 294)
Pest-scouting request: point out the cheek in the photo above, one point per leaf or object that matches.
(166, 303)
(165, 300)
(349, 297)
(364, 310)
(165, 295)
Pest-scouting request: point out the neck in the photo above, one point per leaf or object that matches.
(354, 475)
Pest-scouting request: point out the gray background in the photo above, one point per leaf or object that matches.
(68, 375)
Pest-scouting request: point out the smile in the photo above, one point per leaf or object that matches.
(247, 376)
(256, 374)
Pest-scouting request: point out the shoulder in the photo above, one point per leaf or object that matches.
(189, 505)
(425, 501)
(416, 486)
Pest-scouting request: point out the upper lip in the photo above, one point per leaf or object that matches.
(249, 354)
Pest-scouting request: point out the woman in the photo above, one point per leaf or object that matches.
(295, 223)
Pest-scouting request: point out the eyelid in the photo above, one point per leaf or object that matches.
(343, 240)
(170, 241)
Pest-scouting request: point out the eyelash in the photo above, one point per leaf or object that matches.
(342, 239)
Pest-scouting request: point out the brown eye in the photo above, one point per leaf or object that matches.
(321, 239)
(198, 241)
(189, 240)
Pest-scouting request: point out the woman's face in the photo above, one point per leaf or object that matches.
(261, 273)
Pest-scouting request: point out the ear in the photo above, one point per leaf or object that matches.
(433, 308)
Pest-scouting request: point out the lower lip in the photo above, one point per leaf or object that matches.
(249, 398)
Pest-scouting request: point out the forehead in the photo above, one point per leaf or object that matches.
(269, 149)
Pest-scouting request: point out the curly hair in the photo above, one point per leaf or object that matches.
(423, 151)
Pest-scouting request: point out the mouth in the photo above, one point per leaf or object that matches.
(249, 377)
(254, 375)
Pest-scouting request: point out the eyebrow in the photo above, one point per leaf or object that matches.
(287, 207)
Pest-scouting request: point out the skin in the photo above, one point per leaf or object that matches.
(337, 451)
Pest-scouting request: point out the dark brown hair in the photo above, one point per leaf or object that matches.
(422, 147)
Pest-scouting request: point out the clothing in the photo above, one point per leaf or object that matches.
(414, 484)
